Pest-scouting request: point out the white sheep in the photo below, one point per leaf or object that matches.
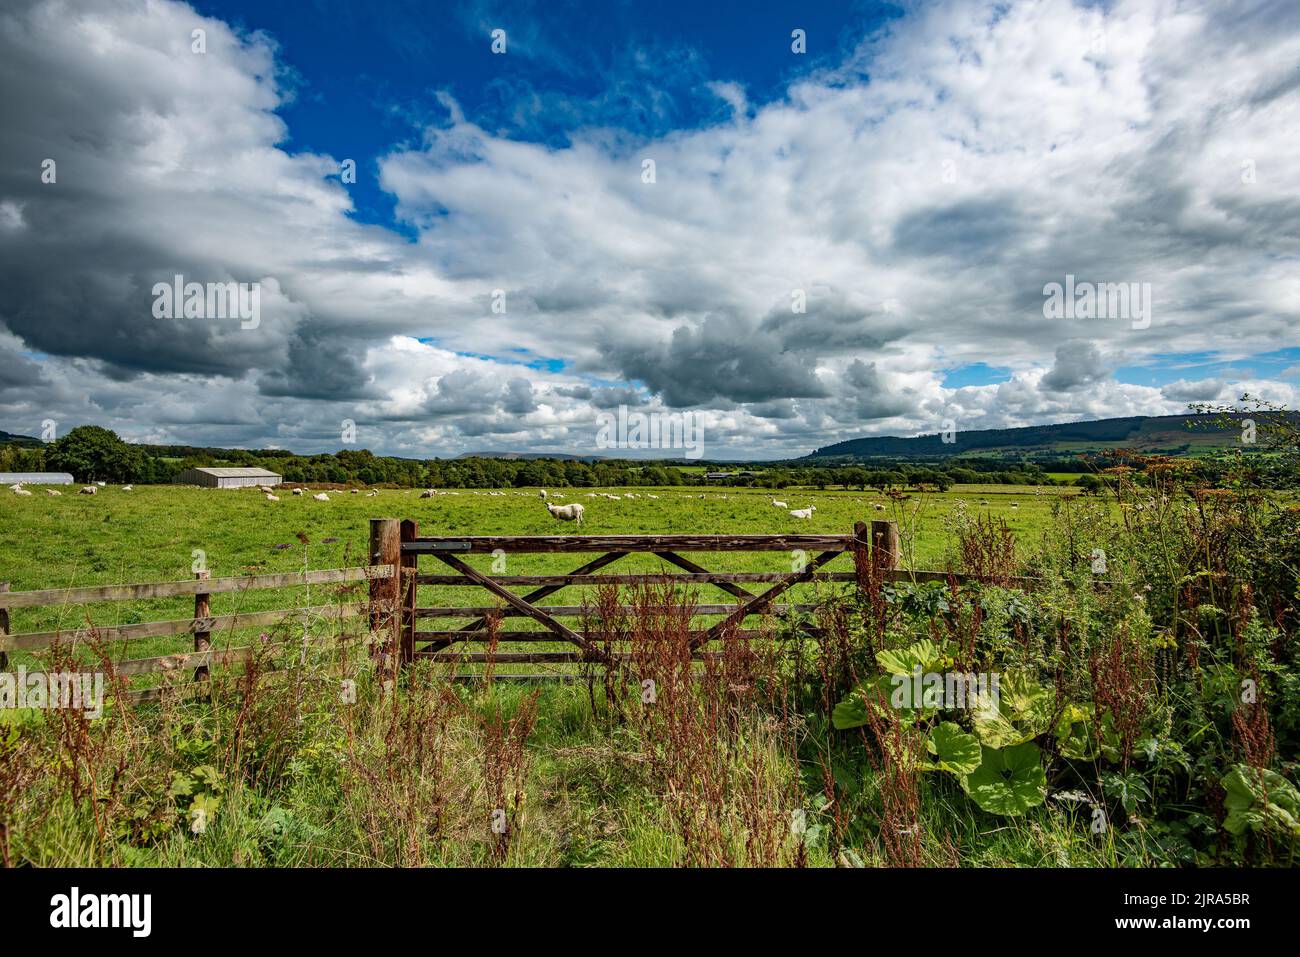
(566, 513)
(272, 497)
(50, 491)
(89, 490)
(128, 488)
(542, 494)
(428, 493)
(21, 491)
(779, 504)
(371, 494)
(297, 491)
(803, 512)
(264, 488)
(321, 497)
(101, 484)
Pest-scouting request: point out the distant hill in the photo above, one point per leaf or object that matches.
(520, 456)
(7, 438)
(1166, 434)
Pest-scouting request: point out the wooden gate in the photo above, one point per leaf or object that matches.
(400, 544)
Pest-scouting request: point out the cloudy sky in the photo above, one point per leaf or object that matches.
(504, 266)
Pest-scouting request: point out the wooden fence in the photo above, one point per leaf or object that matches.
(397, 620)
(202, 625)
(401, 544)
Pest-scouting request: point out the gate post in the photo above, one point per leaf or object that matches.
(386, 549)
(885, 545)
(410, 567)
(4, 629)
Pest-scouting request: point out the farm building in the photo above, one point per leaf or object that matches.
(228, 478)
(35, 478)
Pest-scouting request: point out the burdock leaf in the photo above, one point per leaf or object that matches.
(1008, 781)
(954, 750)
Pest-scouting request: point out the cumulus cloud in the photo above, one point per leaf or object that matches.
(918, 195)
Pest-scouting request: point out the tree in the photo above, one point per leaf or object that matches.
(94, 454)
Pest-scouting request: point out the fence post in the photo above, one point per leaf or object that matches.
(885, 545)
(861, 556)
(386, 549)
(4, 628)
(202, 637)
(410, 567)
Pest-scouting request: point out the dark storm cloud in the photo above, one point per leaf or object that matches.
(1078, 363)
(722, 357)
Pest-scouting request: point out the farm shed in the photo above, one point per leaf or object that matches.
(35, 478)
(228, 478)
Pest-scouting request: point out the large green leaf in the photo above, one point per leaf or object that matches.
(1009, 780)
(954, 750)
(852, 711)
(1021, 710)
(1074, 732)
(925, 654)
(1260, 800)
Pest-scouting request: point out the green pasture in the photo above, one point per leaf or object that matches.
(158, 533)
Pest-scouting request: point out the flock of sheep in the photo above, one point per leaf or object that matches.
(571, 512)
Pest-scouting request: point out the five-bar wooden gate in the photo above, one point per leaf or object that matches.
(400, 544)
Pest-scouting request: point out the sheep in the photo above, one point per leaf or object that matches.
(272, 497)
(779, 504)
(371, 494)
(321, 497)
(877, 506)
(101, 484)
(50, 491)
(355, 491)
(542, 494)
(297, 491)
(803, 512)
(21, 491)
(264, 488)
(428, 493)
(89, 490)
(566, 513)
(128, 488)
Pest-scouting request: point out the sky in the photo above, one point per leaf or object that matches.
(792, 223)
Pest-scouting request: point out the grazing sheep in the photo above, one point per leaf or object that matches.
(297, 491)
(50, 491)
(779, 504)
(566, 513)
(128, 488)
(272, 497)
(21, 491)
(371, 494)
(89, 490)
(264, 488)
(321, 497)
(542, 495)
(652, 496)
(101, 484)
(428, 493)
(355, 491)
(803, 512)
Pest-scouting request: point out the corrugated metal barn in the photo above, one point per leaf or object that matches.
(227, 478)
(35, 478)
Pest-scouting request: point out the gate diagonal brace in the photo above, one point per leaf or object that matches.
(523, 605)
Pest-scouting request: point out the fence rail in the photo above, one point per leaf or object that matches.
(202, 625)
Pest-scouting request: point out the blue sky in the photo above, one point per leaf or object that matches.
(366, 76)
(852, 241)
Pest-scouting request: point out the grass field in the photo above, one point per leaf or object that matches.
(708, 775)
(157, 533)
